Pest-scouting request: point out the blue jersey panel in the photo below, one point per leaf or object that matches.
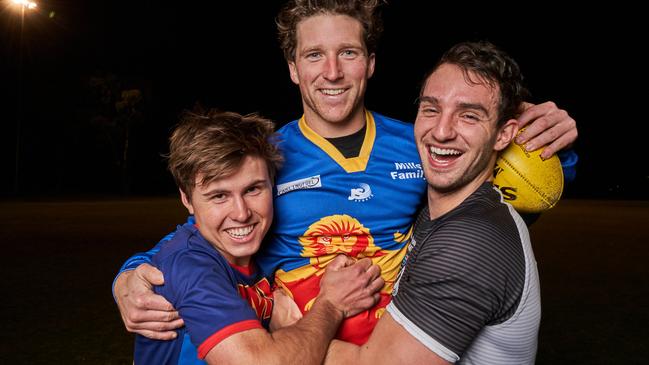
(207, 292)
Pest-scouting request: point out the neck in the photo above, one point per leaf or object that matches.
(441, 202)
(327, 129)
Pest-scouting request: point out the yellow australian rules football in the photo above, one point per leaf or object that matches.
(526, 181)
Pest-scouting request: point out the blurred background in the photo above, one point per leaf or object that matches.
(90, 90)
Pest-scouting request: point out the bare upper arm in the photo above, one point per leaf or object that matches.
(389, 343)
(244, 347)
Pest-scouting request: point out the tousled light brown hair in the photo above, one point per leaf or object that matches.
(214, 143)
(365, 11)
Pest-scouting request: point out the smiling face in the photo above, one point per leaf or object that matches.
(456, 130)
(331, 68)
(234, 213)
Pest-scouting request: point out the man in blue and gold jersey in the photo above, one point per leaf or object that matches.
(352, 181)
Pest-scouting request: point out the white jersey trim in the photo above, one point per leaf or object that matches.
(422, 336)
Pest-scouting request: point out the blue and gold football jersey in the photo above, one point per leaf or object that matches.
(327, 204)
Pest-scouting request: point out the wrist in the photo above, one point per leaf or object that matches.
(330, 309)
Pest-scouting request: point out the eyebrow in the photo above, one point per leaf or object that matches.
(427, 99)
(320, 47)
(474, 106)
(220, 191)
(463, 106)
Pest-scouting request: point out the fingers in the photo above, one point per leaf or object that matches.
(559, 144)
(533, 112)
(167, 335)
(155, 326)
(154, 330)
(374, 271)
(537, 119)
(143, 311)
(152, 307)
(366, 270)
(340, 262)
(154, 303)
(150, 274)
(375, 285)
(363, 264)
(548, 126)
(367, 299)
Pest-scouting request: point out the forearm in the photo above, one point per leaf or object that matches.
(303, 343)
(307, 341)
(341, 352)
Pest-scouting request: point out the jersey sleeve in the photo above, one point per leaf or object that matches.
(569, 159)
(206, 296)
(458, 284)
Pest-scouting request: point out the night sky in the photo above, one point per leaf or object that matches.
(78, 57)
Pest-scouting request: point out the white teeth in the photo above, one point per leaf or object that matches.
(239, 232)
(444, 151)
(332, 91)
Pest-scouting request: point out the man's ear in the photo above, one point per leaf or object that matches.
(186, 202)
(293, 71)
(506, 134)
(370, 65)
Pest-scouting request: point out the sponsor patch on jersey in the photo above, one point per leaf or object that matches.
(301, 184)
(407, 170)
(361, 194)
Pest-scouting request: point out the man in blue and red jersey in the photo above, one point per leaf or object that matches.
(224, 165)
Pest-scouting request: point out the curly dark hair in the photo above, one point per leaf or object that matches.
(365, 11)
(494, 67)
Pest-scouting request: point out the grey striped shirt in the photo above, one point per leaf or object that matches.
(469, 290)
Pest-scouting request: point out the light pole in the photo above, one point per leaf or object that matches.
(24, 5)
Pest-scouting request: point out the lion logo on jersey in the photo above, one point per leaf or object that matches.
(333, 235)
(336, 234)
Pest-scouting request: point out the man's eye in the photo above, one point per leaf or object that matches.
(427, 110)
(313, 55)
(218, 197)
(253, 190)
(471, 117)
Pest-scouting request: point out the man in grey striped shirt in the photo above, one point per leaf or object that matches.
(469, 290)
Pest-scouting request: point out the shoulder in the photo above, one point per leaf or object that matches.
(476, 240)
(391, 124)
(178, 241)
(289, 128)
(188, 255)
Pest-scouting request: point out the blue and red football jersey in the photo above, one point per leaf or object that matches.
(214, 299)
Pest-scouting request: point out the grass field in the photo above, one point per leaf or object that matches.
(59, 259)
